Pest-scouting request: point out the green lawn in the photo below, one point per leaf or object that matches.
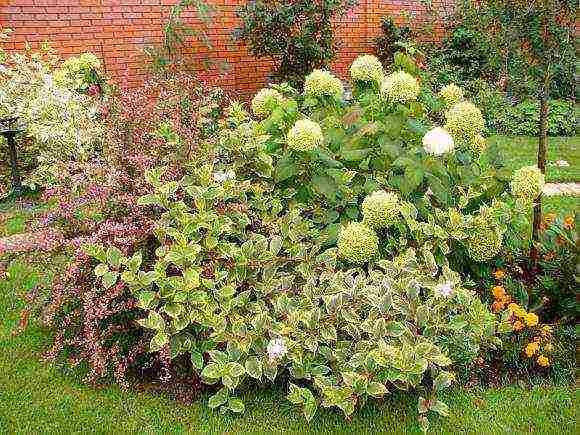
(39, 398)
(522, 151)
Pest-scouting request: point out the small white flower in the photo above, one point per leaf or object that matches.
(438, 142)
(445, 289)
(221, 176)
(561, 164)
(276, 349)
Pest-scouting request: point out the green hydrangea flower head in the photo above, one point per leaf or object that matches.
(485, 240)
(321, 83)
(464, 122)
(357, 243)
(400, 87)
(380, 209)
(305, 135)
(367, 68)
(451, 94)
(478, 144)
(528, 182)
(264, 102)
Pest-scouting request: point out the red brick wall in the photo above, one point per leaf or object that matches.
(117, 30)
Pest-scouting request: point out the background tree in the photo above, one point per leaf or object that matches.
(298, 35)
(539, 35)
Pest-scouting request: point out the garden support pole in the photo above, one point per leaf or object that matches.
(16, 183)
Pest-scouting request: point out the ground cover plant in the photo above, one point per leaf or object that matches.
(322, 244)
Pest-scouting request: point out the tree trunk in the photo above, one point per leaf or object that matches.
(542, 150)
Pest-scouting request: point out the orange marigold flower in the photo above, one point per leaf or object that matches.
(498, 292)
(531, 349)
(569, 222)
(497, 306)
(550, 218)
(518, 326)
(499, 274)
(531, 319)
(543, 361)
(549, 256)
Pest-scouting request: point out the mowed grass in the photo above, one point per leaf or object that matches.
(36, 397)
(522, 151)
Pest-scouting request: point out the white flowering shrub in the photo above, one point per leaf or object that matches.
(61, 122)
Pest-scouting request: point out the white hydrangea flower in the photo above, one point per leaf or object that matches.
(445, 289)
(322, 83)
(264, 100)
(276, 349)
(438, 142)
(400, 87)
(305, 135)
(367, 68)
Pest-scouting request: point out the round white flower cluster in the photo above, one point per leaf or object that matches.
(464, 122)
(367, 68)
(451, 94)
(528, 183)
(380, 209)
(322, 83)
(438, 142)
(264, 102)
(400, 87)
(357, 243)
(305, 135)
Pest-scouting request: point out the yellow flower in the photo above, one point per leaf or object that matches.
(499, 274)
(543, 361)
(498, 292)
(549, 347)
(546, 330)
(518, 326)
(531, 349)
(520, 312)
(569, 223)
(531, 319)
